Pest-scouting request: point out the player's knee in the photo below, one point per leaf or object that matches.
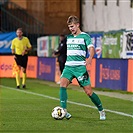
(88, 90)
(24, 70)
(64, 82)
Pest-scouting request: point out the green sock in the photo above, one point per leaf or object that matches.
(95, 99)
(63, 97)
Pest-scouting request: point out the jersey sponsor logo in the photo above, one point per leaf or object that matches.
(84, 77)
(73, 47)
(76, 41)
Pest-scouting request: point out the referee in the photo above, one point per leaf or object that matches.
(20, 47)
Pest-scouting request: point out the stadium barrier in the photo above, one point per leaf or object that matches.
(7, 64)
(112, 74)
(130, 76)
(115, 74)
(46, 68)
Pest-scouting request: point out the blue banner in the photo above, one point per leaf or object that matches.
(5, 42)
(111, 74)
(46, 68)
(97, 42)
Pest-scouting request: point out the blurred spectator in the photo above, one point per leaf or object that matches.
(60, 53)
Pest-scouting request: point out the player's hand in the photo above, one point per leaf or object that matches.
(23, 53)
(89, 61)
(53, 54)
(15, 57)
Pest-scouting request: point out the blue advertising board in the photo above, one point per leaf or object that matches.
(97, 42)
(46, 68)
(111, 74)
(5, 42)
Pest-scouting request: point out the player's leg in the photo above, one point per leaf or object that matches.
(65, 81)
(18, 77)
(63, 95)
(94, 97)
(61, 64)
(23, 77)
(63, 92)
(18, 63)
(96, 100)
(24, 66)
(84, 81)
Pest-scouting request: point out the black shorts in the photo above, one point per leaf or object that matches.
(21, 60)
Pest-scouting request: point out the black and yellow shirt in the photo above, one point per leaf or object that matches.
(19, 45)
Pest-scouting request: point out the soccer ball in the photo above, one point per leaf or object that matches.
(58, 113)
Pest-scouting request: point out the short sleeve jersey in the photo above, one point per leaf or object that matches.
(77, 49)
(20, 45)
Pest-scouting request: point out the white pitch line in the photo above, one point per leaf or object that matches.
(79, 104)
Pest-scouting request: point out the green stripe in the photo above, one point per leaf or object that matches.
(75, 58)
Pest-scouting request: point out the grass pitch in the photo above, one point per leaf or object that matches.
(29, 110)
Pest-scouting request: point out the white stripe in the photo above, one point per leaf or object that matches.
(91, 45)
(79, 104)
(75, 63)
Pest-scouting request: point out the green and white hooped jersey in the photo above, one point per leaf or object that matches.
(77, 48)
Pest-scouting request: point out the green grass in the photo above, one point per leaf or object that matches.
(29, 110)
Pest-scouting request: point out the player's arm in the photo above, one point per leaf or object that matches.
(92, 52)
(59, 49)
(13, 47)
(13, 51)
(28, 46)
(56, 52)
(28, 49)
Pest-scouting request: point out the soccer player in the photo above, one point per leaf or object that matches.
(20, 47)
(78, 43)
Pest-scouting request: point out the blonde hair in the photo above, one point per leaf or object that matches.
(72, 19)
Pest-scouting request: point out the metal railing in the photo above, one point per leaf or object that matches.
(13, 16)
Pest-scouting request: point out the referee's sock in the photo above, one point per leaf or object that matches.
(23, 78)
(18, 78)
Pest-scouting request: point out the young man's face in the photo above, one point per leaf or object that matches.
(73, 28)
(19, 33)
